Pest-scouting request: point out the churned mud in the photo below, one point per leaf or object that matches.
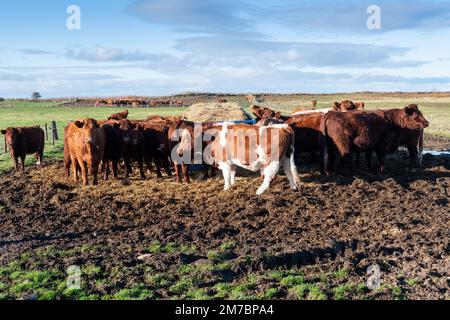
(398, 220)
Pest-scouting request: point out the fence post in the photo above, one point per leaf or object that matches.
(5, 146)
(46, 132)
(54, 132)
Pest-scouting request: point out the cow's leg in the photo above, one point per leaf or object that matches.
(369, 159)
(22, 162)
(94, 172)
(105, 169)
(141, 168)
(16, 163)
(74, 163)
(357, 155)
(167, 166)
(114, 168)
(413, 156)
(185, 169)
(177, 172)
(84, 172)
(232, 175)
(226, 171)
(38, 158)
(381, 158)
(290, 172)
(158, 166)
(269, 172)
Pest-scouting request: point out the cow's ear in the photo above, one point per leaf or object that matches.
(78, 123)
(337, 106)
(3, 131)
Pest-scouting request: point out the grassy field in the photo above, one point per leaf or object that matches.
(25, 113)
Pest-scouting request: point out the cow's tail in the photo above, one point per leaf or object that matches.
(420, 150)
(323, 142)
(291, 155)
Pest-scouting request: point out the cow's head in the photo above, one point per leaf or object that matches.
(186, 144)
(88, 127)
(12, 136)
(411, 117)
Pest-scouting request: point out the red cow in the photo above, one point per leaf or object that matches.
(22, 141)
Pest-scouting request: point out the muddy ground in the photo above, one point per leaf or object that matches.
(158, 239)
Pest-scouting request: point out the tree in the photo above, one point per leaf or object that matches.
(35, 95)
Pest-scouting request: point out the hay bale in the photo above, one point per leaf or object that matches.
(215, 111)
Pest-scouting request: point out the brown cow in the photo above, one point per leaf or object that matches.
(348, 105)
(119, 116)
(255, 148)
(156, 147)
(263, 112)
(307, 133)
(86, 145)
(382, 131)
(22, 141)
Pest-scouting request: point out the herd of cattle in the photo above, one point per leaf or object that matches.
(105, 146)
(135, 102)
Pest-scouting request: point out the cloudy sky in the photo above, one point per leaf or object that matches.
(157, 47)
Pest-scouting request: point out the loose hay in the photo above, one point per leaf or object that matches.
(215, 111)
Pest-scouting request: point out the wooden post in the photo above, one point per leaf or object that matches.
(46, 132)
(5, 146)
(54, 132)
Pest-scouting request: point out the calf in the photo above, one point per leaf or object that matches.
(22, 141)
(85, 144)
(255, 148)
(382, 131)
(119, 116)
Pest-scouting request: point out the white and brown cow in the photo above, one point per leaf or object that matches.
(265, 148)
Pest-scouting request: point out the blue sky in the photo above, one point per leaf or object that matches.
(158, 47)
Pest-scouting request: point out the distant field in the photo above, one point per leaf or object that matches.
(25, 113)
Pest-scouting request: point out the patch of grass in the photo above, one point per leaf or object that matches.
(230, 245)
(138, 292)
(155, 247)
(269, 293)
(309, 291)
(223, 290)
(412, 282)
(159, 280)
(182, 286)
(198, 294)
(91, 270)
(10, 268)
(341, 273)
(292, 280)
(241, 292)
(339, 293)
